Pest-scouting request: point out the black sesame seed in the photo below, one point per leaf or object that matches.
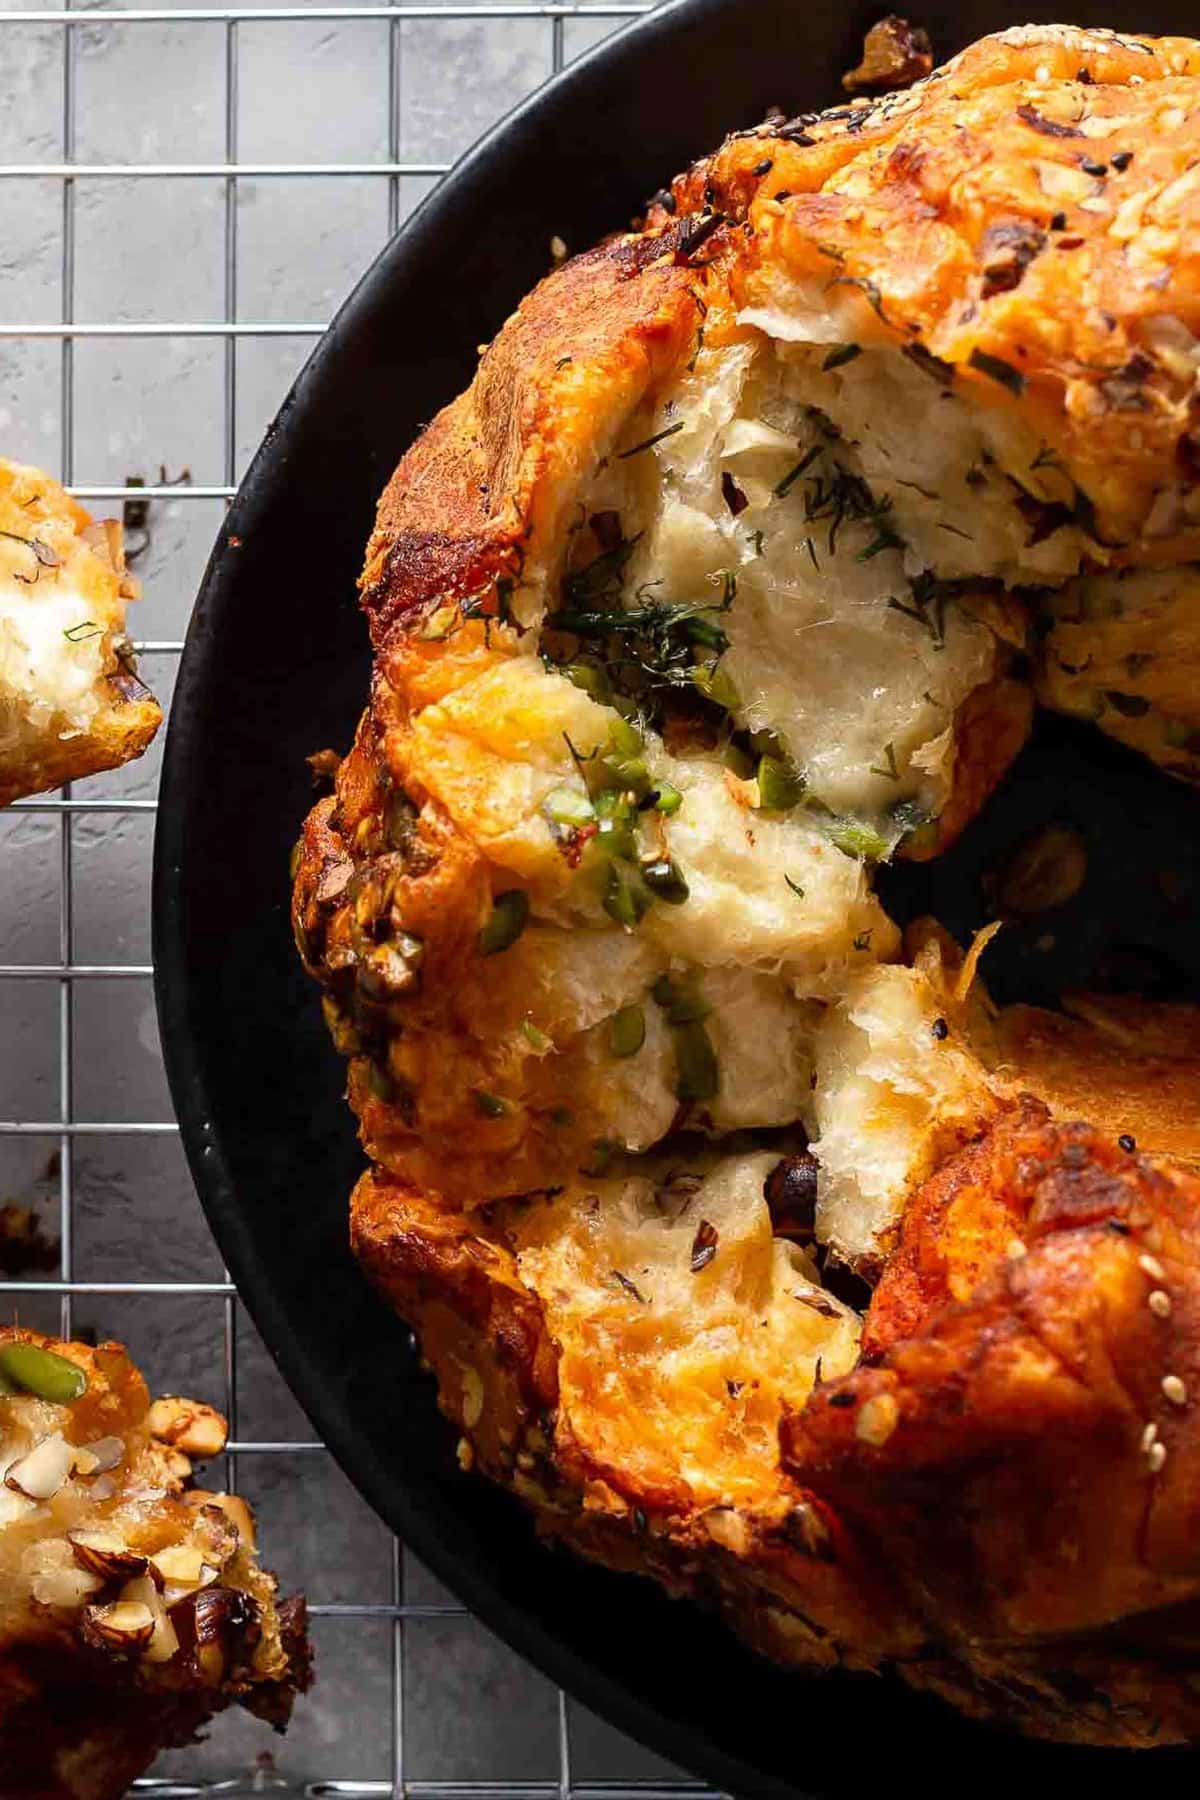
(1059, 222)
(1093, 168)
(1126, 1142)
(763, 168)
(1119, 1227)
(940, 1030)
(1121, 160)
(841, 1399)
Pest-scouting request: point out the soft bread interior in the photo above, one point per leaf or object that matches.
(70, 700)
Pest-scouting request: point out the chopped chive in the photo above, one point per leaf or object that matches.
(627, 1031)
(534, 1035)
(891, 771)
(79, 634)
(841, 353)
(784, 487)
(506, 922)
(649, 443)
(866, 288)
(630, 1288)
(668, 798)
(883, 540)
(998, 370)
(795, 887)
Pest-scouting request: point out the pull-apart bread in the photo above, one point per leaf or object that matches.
(132, 1604)
(734, 573)
(71, 703)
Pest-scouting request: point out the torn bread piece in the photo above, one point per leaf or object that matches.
(132, 1604)
(913, 1062)
(71, 703)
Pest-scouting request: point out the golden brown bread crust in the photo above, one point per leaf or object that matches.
(83, 1710)
(939, 1505)
(480, 482)
(941, 207)
(934, 1509)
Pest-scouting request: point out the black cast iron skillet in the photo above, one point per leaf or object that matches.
(275, 667)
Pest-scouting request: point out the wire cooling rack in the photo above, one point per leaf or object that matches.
(136, 141)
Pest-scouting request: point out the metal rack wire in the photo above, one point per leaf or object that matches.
(70, 975)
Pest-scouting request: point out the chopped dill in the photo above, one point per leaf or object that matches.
(649, 443)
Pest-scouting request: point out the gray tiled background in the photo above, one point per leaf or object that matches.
(136, 249)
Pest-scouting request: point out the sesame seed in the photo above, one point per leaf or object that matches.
(940, 1030)
(1093, 168)
(1150, 1265)
(1148, 1436)
(1015, 1250)
(1160, 1303)
(1059, 222)
(1175, 1390)
(1121, 160)
(1127, 1142)
(1156, 1456)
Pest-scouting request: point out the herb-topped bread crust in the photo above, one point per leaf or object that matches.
(732, 575)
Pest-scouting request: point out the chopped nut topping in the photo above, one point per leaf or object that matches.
(1156, 1456)
(188, 1425)
(125, 1626)
(1159, 1303)
(42, 1471)
(1174, 1390)
(233, 1507)
(183, 1566)
(1150, 1265)
(105, 1453)
(104, 1554)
